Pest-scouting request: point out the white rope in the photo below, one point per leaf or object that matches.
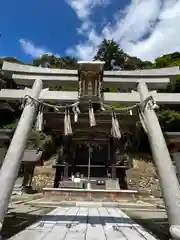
(148, 102)
(56, 107)
(120, 109)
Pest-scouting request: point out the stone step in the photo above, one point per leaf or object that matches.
(93, 195)
(121, 204)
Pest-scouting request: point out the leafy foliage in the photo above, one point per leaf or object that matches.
(55, 62)
(109, 50)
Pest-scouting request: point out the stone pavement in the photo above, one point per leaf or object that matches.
(84, 223)
(155, 220)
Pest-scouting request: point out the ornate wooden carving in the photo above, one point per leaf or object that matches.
(90, 84)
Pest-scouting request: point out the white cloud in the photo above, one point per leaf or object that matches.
(83, 8)
(29, 48)
(135, 21)
(87, 50)
(145, 28)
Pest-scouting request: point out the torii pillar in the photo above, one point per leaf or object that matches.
(167, 176)
(12, 161)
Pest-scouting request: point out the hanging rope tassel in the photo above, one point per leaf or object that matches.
(75, 117)
(113, 133)
(115, 130)
(92, 119)
(118, 133)
(76, 112)
(39, 120)
(102, 107)
(142, 119)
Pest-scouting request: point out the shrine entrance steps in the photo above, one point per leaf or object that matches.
(94, 195)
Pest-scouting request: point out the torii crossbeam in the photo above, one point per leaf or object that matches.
(89, 79)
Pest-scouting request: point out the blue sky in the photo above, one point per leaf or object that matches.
(143, 28)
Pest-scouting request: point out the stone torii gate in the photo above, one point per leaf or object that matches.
(89, 80)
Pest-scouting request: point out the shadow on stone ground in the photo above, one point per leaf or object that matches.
(16, 222)
(158, 226)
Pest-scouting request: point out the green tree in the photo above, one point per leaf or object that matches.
(134, 63)
(55, 62)
(109, 50)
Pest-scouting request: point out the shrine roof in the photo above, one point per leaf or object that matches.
(55, 122)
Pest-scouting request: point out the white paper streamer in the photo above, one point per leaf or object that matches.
(115, 130)
(92, 119)
(65, 124)
(39, 120)
(69, 124)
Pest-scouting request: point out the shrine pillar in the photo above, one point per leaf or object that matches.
(109, 155)
(28, 176)
(67, 155)
(113, 159)
(12, 161)
(58, 172)
(167, 176)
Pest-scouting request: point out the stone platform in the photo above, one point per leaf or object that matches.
(57, 194)
(82, 223)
